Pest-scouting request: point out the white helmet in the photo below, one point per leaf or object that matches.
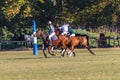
(49, 22)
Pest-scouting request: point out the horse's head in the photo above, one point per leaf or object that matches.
(38, 33)
(57, 31)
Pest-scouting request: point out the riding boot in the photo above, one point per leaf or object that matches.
(50, 42)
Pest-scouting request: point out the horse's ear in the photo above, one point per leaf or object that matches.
(41, 29)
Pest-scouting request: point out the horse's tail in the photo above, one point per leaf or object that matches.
(87, 37)
(89, 46)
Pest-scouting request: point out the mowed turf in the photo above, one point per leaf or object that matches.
(23, 65)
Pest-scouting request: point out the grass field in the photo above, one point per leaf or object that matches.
(23, 65)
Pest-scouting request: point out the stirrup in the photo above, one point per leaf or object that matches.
(50, 43)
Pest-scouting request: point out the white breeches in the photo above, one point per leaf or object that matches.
(51, 35)
(64, 33)
(72, 35)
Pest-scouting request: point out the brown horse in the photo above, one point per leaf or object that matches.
(75, 41)
(64, 40)
(80, 40)
(57, 43)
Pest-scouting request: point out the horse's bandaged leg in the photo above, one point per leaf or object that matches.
(52, 48)
(62, 53)
(70, 53)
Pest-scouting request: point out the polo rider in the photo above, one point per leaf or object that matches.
(51, 32)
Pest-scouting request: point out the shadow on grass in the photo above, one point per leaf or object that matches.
(29, 58)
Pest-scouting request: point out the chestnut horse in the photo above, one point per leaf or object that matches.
(64, 41)
(75, 41)
(80, 40)
(57, 43)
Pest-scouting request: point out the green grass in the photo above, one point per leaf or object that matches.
(23, 65)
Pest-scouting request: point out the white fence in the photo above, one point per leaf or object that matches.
(96, 42)
(26, 44)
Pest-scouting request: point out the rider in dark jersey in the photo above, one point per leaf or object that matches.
(71, 31)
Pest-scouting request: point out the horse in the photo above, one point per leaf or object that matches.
(65, 40)
(57, 43)
(75, 41)
(80, 40)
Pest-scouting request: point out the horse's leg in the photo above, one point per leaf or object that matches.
(44, 52)
(69, 52)
(91, 51)
(59, 51)
(73, 53)
(52, 48)
(62, 53)
(72, 50)
(63, 48)
(87, 46)
(49, 50)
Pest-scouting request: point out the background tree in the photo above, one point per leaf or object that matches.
(16, 15)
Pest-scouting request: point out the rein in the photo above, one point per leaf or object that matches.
(43, 36)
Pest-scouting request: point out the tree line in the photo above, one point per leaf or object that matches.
(16, 15)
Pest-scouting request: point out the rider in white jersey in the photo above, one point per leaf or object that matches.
(51, 31)
(64, 29)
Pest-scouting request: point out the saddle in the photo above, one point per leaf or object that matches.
(67, 35)
(47, 41)
(52, 39)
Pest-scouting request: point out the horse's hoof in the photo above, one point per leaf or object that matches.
(53, 54)
(62, 55)
(45, 56)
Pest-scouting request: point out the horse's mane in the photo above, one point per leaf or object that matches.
(80, 34)
(57, 29)
(43, 35)
(77, 35)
